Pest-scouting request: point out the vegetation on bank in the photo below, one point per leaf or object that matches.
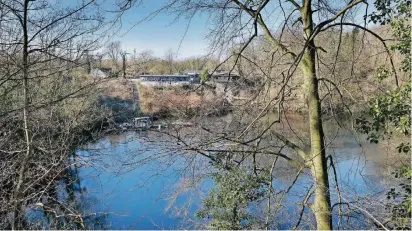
(117, 97)
(185, 101)
(388, 115)
(58, 129)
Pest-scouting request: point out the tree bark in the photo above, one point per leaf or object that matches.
(321, 205)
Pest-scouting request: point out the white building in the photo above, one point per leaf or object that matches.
(166, 79)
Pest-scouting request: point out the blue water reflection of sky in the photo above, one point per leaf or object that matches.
(128, 183)
(135, 197)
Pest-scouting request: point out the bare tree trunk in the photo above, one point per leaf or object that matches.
(124, 64)
(89, 62)
(17, 203)
(321, 205)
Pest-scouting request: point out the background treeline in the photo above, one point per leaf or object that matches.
(131, 63)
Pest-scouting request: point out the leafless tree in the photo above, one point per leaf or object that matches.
(113, 50)
(44, 49)
(169, 60)
(292, 32)
(144, 58)
(124, 54)
(99, 57)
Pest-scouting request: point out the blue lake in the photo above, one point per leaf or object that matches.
(128, 181)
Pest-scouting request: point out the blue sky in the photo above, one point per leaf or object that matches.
(159, 35)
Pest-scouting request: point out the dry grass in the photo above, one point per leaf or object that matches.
(168, 101)
(117, 88)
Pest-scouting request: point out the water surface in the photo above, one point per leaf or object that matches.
(128, 181)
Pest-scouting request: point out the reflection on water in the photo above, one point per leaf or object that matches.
(127, 182)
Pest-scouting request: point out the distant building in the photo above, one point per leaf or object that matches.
(102, 73)
(189, 77)
(194, 75)
(167, 79)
